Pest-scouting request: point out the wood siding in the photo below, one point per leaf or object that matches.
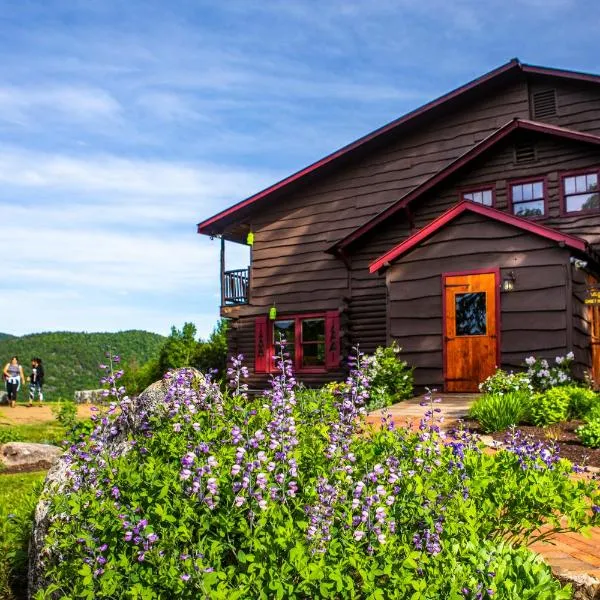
(291, 269)
(532, 317)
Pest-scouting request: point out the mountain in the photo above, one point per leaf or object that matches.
(71, 359)
(6, 336)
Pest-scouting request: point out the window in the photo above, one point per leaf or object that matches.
(528, 198)
(312, 342)
(470, 311)
(580, 192)
(481, 196)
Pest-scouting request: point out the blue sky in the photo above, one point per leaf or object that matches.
(123, 124)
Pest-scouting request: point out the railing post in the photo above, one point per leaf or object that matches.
(222, 271)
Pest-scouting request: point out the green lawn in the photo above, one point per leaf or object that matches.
(18, 495)
(39, 433)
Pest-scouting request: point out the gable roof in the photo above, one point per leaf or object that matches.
(457, 164)
(407, 245)
(218, 222)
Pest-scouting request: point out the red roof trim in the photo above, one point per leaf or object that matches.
(204, 226)
(209, 225)
(565, 74)
(461, 161)
(427, 231)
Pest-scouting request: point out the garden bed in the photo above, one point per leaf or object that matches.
(562, 433)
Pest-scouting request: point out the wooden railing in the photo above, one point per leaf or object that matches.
(235, 287)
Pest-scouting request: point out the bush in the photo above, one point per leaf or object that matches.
(499, 412)
(391, 379)
(543, 376)
(551, 406)
(8, 435)
(582, 401)
(589, 434)
(502, 382)
(222, 496)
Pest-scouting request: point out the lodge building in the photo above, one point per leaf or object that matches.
(467, 230)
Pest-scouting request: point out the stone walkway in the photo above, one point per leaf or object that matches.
(572, 557)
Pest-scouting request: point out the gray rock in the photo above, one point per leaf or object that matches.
(22, 456)
(88, 396)
(58, 476)
(585, 587)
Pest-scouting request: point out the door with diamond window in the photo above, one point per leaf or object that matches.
(470, 330)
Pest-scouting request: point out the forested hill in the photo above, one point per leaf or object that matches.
(6, 336)
(71, 359)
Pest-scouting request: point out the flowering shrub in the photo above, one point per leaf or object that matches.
(220, 496)
(543, 375)
(502, 382)
(391, 379)
(551, 406)
(498, 412)
(589, 434)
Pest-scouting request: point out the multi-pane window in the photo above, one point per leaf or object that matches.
(305, 340)
(580, 192)
(483, 196)
(527, 198)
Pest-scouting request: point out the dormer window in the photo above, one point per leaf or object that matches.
(580, 192)
(528, 198)
(483, 196)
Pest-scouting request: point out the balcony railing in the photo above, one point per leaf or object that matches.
(235, 287)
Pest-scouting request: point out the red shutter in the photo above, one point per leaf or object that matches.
(261, 345)
(332, 340)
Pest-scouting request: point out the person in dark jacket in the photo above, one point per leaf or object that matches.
(36, 381)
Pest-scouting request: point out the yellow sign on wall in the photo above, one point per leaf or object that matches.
(593, 296)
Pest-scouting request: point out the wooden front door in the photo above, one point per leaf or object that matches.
(470, 330)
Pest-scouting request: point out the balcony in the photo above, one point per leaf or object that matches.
(235, 287)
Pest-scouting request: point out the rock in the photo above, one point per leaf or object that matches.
(58, 476)
(585, 587)
(88, 396)
(22, 456)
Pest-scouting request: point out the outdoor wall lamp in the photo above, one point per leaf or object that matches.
(508, 283)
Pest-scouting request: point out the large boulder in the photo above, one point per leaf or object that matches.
(22, 456)
(58, 477)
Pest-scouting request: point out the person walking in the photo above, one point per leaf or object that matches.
(36, 381)
(13, 373)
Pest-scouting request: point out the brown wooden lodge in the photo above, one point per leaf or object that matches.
(467, 230)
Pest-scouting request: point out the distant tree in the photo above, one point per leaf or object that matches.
(212, 354)
(179, 349)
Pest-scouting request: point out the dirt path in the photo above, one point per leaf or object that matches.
(24, 415)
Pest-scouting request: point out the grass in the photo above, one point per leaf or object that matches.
(18, 496)
(38, 433)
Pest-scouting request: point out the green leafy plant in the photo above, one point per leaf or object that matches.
(391, 378)
(589, 434)
(65, 412)
(502, 382)
(224, 496)
(582, 401)
(9, 435)
(498, 412)
(551, 406)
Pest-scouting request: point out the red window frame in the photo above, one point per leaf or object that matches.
(563, 196)
(478, 188)
(537, 179)
(331, 323)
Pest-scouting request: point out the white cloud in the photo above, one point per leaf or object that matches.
(111, 174)
(74, 103)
